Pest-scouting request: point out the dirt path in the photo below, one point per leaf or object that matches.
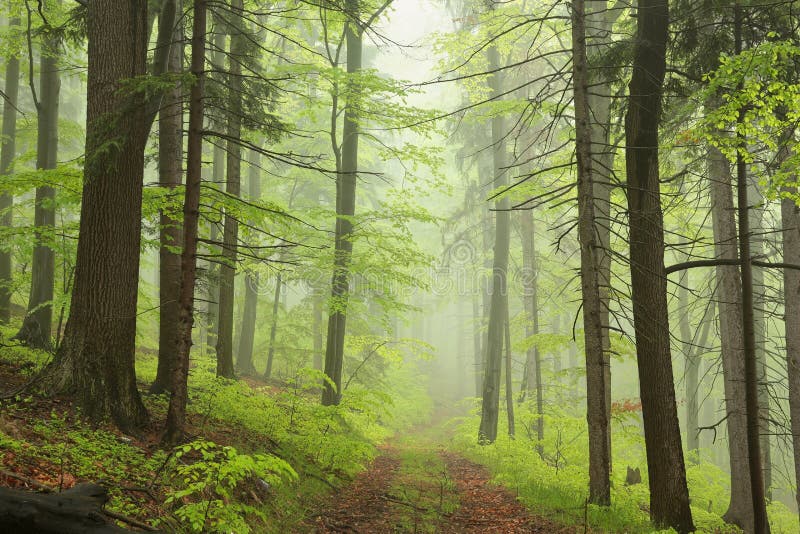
(421, 489)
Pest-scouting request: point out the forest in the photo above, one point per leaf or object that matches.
(374, 266)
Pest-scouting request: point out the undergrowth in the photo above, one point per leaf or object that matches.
(259, 459)
(555, 484)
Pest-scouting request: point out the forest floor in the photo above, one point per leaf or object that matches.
(416, 485)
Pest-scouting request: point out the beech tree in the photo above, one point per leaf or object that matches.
(669, 495)
(7, 154)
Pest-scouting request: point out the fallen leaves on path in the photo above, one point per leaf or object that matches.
(367, 507)
(486, 507)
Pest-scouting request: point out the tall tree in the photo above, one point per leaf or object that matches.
(244, 361)
(490, 406)
(760, 523)
(669, 495)
(790, 226)
(599, 455)
(7, 155)
(96, 357)
(37, 325)
(233, 182)
(170, 156)
(345, 209)
(176, 412)
(95, 360)
(729, 292)
(532, 378)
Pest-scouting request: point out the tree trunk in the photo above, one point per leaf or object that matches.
(509, 378)
(345, 209)
(233, 179)
(490, 407)
(176, 412)
(218, 176)
(790, 222)
(247, 336)
(669, 496)
(760, 329)
(693, 346)
(760, 523)
(7, 155)
(273, 329)
(170, 156)
(38, 323)
(593, 331)
(599, 39)
(729, 293)
(317, 331)
(96, 357)
(78, 510)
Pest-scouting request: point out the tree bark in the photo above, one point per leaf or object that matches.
(176, 412)
(318, 342)
(593, 331)
(170, 156)
(760, 328)
(7, 155)
(37, 326)
(247, 336)
(669, 496)
(78, 510)
(509, 378)
(490, 407)
(96, 357)
(233, 182)
(693, 346)
(790, 223)
(345, 209)
(729, 293)
(273, 329)
(760, 523)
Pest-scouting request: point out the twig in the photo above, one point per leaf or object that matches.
(29, 481)
(129, 520)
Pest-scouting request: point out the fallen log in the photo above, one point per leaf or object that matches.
(78, 510)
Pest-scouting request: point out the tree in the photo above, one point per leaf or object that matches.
(345, 209)
(7, 155)
(176, 412)
(233, 182)
(790, 227)
(599, 454)
(95, 361)
(37, 325)
(170, 156)
(669, 495)
(244, 360)
(490, 405)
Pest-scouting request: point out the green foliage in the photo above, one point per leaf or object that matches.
(210, 481)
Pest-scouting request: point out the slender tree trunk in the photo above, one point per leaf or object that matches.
(317, 333)
(233, 180)
(669, 495)
(790, 222)
(531, 305)
(599, 39)
(96, 357)
(759, 326)
(490, 407)
(218, 176)
(760, 523)
(37, 326)
(598, 418)
(7, 155)
(170, 156)
(248, 331)
(176, 412)
(729, 293)
(273, 329)
(693, 346)
(345, 209)
(509, 378)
